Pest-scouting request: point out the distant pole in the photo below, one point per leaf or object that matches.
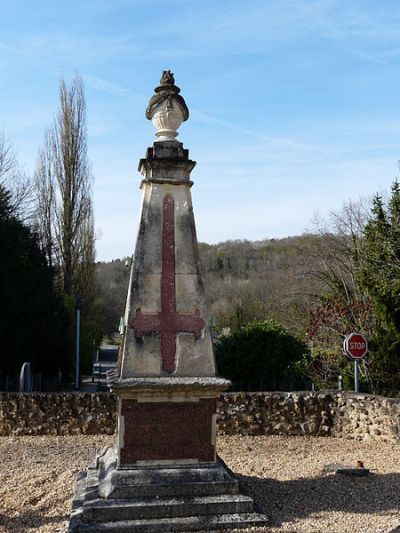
(78, 328)
(94, 354)
(340, 383)
(356, 384)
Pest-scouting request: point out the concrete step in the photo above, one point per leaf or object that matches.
(188, 523)
(101, 510)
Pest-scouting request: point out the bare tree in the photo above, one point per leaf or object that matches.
(7, 157)
(45, 198)
(72, 173)
(342, 304)
(331, 260)
(85, 268)
(63, 190)
(14, 179)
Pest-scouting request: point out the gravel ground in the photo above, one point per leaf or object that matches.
(284, 475)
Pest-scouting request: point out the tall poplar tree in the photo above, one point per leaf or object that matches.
(64, 207)
(63, 190)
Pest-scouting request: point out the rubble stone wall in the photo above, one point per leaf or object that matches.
(366, 416)
(56, 413)
(276, 413)
(323, 413)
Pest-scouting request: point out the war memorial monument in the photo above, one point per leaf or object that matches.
(163, 472)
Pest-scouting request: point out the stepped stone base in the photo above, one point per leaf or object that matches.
(157, 499)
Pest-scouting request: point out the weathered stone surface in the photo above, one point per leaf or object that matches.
(193, 353)
(321, 413)
(138, 508)
(57, 413)
(172, 384)
(184, 524)
(168, 481)
(275, 413)
(167, 109)
(159, 499)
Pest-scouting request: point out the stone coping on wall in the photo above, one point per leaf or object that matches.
(320, 413)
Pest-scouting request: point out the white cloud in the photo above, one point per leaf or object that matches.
(105, 86)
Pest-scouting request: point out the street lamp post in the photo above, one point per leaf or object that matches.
(78, 331)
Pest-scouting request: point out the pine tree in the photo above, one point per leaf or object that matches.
(379, 274)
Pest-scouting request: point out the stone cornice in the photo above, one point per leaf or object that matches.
(171, 384)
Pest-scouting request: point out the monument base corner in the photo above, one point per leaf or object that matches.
(159, 499)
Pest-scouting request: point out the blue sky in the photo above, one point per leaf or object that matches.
(294, 103)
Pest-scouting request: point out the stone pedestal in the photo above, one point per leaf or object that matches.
(159, 499)
(163, 473)
(155, 415)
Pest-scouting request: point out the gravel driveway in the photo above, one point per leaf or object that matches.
(284, 475)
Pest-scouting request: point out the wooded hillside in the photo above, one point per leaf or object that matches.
(244, 280)
(320, 287)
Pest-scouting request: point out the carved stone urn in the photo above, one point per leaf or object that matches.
(167, 109)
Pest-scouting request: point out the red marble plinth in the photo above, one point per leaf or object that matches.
(174, 431)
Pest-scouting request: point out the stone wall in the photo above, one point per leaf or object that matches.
(340, 414)
(367, 417)
(322, 413)
(276, 413)
(56, 413)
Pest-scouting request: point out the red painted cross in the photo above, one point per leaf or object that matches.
(167, 322)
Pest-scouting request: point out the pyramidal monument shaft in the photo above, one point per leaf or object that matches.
(163, 472)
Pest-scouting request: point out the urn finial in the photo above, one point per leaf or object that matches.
(167, 109)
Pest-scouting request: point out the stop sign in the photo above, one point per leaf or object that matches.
(355, 345)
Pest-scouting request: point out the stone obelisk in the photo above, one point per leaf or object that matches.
(163, 473)
(167, 384)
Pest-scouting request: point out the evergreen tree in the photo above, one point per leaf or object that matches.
(32, 321)
(260, 356)
(380, 275)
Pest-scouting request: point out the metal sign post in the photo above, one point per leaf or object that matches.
(356, 379)
(93, 354)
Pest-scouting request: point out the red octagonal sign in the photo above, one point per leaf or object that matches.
(355, 345)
